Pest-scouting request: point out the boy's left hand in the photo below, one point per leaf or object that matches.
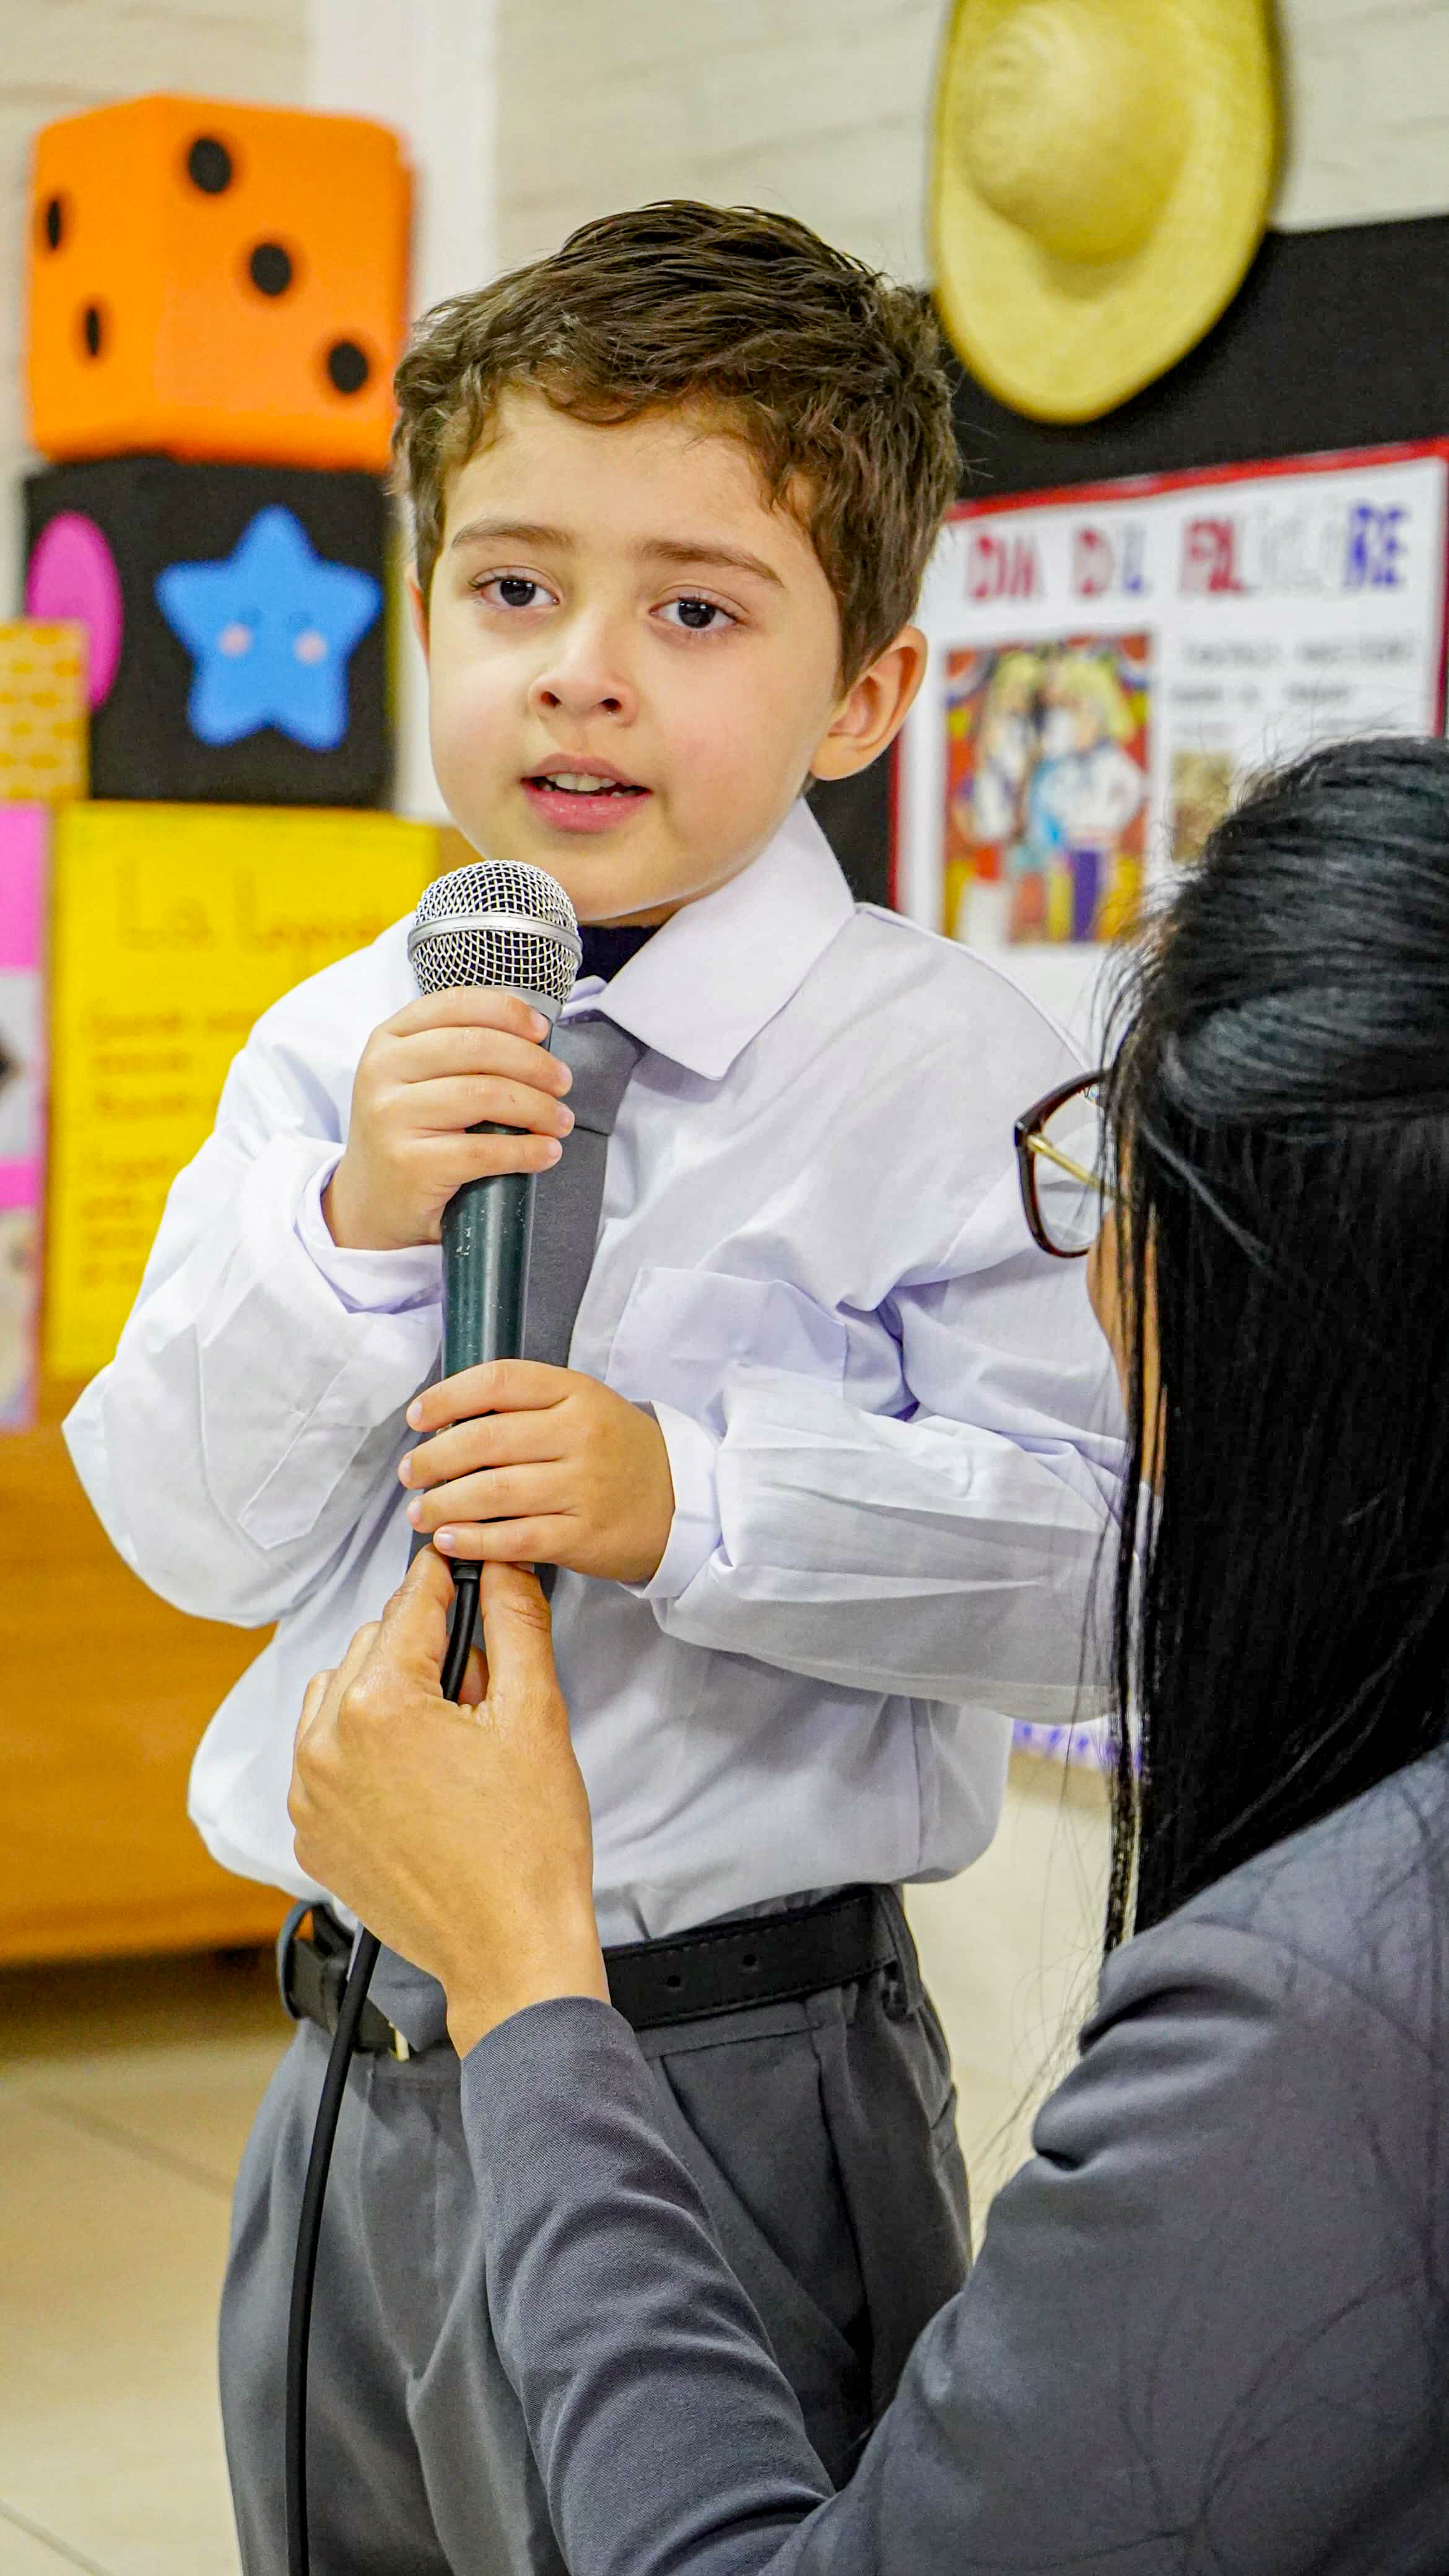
(540, 1466)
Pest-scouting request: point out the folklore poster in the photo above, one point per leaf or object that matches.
(1108, 666)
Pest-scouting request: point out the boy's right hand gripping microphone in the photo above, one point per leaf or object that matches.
(504, 924)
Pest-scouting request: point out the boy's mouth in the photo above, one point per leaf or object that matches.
(581, 796)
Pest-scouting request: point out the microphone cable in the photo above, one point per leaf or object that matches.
(495, 923)
(344, 2040)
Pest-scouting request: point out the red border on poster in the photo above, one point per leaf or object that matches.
(1185, 478)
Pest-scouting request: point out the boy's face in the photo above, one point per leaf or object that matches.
(634, 661)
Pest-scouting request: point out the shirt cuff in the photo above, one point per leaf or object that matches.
(694, 1532)
(366, 1283)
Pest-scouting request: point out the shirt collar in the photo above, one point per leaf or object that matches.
(718, 970)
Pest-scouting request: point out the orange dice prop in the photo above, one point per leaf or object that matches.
(217, 282)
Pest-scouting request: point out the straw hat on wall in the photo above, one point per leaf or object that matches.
(1101, 177)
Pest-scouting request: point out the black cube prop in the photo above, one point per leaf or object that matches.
(238, 626)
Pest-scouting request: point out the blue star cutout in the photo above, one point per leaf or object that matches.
(271, 628)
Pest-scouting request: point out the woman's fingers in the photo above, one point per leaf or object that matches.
(412, 1635)
(402, 1652)
(425, 1577)
(474, 1688)
(355, 1657)
(312, 1700)
(325, 1689)
(518, 1643)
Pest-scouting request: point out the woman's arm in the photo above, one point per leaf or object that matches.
(667, 2437)
(1197, 2336)
(1205, 2331)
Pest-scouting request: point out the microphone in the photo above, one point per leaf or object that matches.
(511, 927)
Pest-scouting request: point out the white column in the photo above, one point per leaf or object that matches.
(427, 68)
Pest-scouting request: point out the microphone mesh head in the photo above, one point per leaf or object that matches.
(500, 923)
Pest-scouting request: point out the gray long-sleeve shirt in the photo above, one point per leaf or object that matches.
(1209, 2328)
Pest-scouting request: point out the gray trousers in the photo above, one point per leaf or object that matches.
(821, 2136)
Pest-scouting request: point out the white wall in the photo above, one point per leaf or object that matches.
(815, 107)
(429, 68)
(822, 107)
(1367, 93)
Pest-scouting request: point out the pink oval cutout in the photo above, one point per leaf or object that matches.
(72, 573)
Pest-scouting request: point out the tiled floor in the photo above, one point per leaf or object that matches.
(126, 2095)
(125, 2099)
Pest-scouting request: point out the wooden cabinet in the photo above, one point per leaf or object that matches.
(104, 1692)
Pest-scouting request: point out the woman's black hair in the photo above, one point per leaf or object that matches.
(1279, 1112)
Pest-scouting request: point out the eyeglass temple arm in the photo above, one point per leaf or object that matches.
(1038, 1145)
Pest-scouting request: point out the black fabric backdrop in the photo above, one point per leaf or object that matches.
(1336, 339)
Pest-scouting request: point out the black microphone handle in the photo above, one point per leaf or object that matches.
(487, 1226)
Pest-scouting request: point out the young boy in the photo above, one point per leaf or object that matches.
(826, 1471)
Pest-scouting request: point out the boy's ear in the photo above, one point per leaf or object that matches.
(874, 708)
(418, 607)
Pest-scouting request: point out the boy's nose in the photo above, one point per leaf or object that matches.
(582, 682)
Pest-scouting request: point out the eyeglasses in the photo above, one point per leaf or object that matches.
(1061, 1158)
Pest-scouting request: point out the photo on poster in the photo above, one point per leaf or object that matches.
(1047, 782)
(1201, 785)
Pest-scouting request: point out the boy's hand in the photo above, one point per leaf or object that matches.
(447, 1062)
(540, 1466)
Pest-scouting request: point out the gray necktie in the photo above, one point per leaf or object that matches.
(567, 1200)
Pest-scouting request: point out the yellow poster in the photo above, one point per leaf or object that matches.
(174, 928)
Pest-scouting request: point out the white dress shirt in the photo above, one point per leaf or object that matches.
(889, 1418)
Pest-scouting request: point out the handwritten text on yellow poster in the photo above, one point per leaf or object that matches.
(174, 928)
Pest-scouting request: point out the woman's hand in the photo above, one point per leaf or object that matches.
(460, 1835)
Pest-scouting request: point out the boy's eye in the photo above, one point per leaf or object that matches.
(699, 616)
(512, 590)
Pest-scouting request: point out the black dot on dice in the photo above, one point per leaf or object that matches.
(270, 269)
(348, 367)
(209, 165)
(52, 222)
(93, 330)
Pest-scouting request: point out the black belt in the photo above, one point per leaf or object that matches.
(721, 1968)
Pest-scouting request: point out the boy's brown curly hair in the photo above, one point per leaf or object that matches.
(832, 375)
